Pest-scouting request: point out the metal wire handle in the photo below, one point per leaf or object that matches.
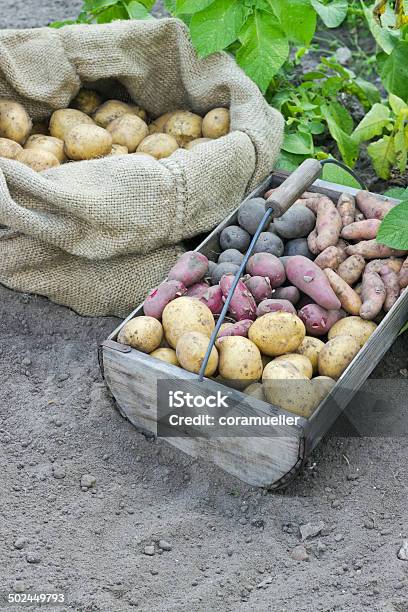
(267, 216)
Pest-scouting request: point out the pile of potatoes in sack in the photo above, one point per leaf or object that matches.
(94, 128)
(315, 289)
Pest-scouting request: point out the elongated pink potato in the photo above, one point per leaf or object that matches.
(310, 279)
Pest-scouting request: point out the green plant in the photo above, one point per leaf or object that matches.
(258, 32)
(106, 11)
(388, 121)
(314, 113)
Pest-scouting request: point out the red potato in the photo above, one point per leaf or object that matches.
(403, 275)
(312, 242)
(268, 266)
(361, 230)
(213, 299)
(291, 294)
(346, 206)
(331, 257)
(317, 320)
(190, 268)
(275, 306)
(373, 295)
(328, 224)
(351, 269)
(197, 290)
(259, 287)
(310, 279)
(392, 288)
(371, 249)
(385, 268)
(373, 207)
(349, 299)
(242, 305)
(162, 295)
(236, 329)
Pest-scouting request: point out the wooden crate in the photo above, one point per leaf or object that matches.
(270, 461)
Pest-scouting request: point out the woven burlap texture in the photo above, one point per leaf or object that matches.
(97, 235)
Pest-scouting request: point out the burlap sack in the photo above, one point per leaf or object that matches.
(97, 235)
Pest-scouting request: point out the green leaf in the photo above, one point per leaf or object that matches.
(138, 11)
(347, 145)
(298, 143)
(61, 24)
(288, 161)
(397, 105)
(170, 5)
(373, 124)
(264, 50)
(399, 193)
(112, 13)
(400, 146)
(341, 116)
(394, 228)
(297, 19)
(149, 4)
(188, 7)
(217, 26)
(382, 153)
(367, 92)
(333, 13)
(335, 174)
(385, 38)
(393, 70)
(93, 6)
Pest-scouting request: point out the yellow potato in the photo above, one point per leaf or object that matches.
(216, 123)
(87, 142)
(185, 314)
(337, 355)
(302, 363)
(277, 333)
(112, 109)
(47, 143)
(191, 349)
(87, 101)
(240, 360)
(158, 145)
(311, 348)
(142, 333)
(128, 130)
(356, 327)
(166, 354)
(63, 120)
(255, 390)
(157, 126)
(184, 126)
(197, 141)
(15, 122)
(322, 386)
(286, 387)
(9, 148)
(118, 150)
(37, 159)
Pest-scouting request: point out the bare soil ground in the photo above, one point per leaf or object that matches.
(83, 493)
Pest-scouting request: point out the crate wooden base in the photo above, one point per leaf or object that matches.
(270, 461)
